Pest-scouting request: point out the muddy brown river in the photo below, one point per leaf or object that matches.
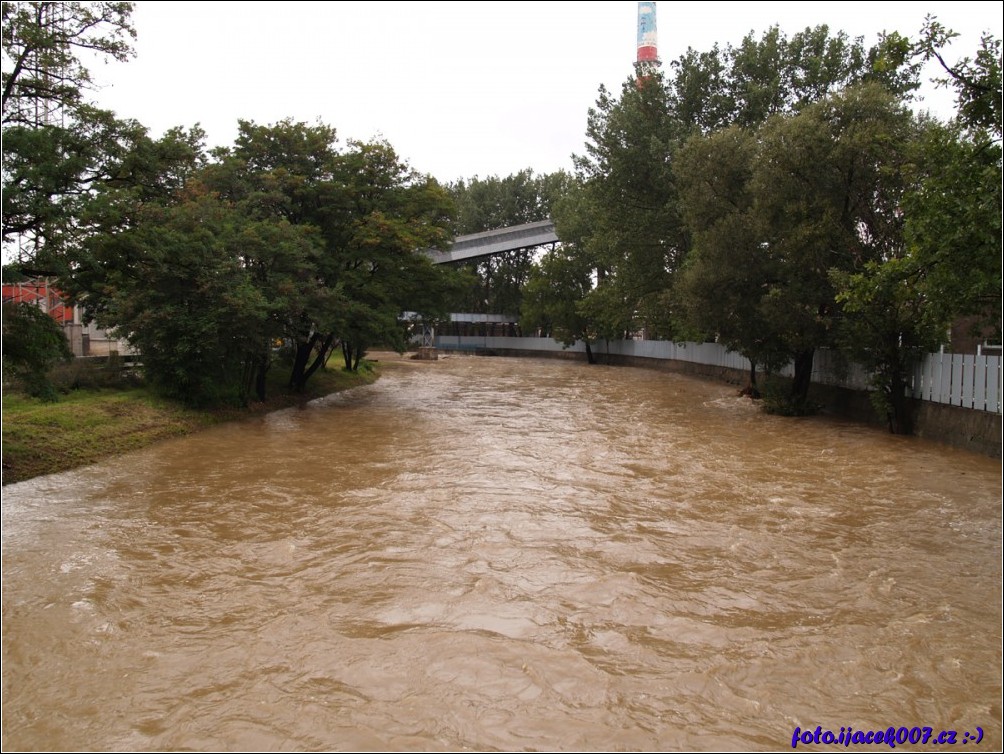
(508, 554)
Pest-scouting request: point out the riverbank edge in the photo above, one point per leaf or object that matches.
(974, 431)
(34, 455)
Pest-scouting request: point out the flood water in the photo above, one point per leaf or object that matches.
(507, 554)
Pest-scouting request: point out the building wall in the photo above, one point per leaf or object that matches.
(84, 340)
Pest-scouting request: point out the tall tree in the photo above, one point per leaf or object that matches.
(785, 217)
(56, 145)
(372, 214)
(636, 234)
(722, 286)
(948, 263)
(953, 216)
(395, 213)
(182, 285)
(42, 42)
(828, 185)
(282, 238)
(554, 300)
(287, 173)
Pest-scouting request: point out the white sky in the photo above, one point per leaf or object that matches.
(459, 89)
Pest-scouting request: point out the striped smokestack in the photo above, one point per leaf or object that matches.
(648, 53)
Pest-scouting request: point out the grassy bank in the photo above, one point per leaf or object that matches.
(87, 425)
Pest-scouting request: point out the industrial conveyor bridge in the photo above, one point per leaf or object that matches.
(491, 242)
(478, 246)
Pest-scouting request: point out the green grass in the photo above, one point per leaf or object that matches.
(87, 425)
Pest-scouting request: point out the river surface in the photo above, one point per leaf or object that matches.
(507, 554)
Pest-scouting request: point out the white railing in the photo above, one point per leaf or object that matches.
(970, 381)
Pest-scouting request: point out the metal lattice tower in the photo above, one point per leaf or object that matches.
(37, 106)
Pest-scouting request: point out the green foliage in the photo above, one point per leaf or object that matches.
(776, 74)
(721, 289)
(844, 221)
(43, 39)
(396, 213)
(56, 146)
(281, 239)
(888, 325)
(493, 202)
(953, 213)
(552, 297)
(32, 344)
(176, 286)
(784, 217)
(648, 200)
(953, 226)
(778, 399)
(634, 234)
(561, 299)
(95, 373)
(829, 183)
(946, 262)
(976, 81)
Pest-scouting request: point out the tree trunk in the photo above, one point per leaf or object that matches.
(304, 351)
(803, 378)
(751, 389)
(259, 379)
(319, 360)
(898, 412)
(297, 380)
(590, 359)
(246, 379)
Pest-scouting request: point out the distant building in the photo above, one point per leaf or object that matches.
(84, 340)
(966, 337)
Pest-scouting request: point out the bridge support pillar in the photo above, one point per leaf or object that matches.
(427, 349)
(428, 336)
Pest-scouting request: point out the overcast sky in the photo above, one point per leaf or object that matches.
(459, 89)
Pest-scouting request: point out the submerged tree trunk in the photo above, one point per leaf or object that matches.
(897, 406)
(802, 380)
(751, 388)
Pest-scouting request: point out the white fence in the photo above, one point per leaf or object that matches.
(968, 381)
(960, 380)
